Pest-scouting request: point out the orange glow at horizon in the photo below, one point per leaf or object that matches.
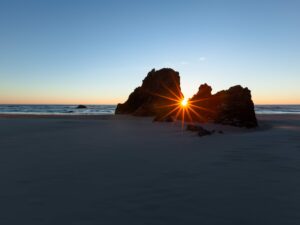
(93, 101)
(60, 101)
(20, 98)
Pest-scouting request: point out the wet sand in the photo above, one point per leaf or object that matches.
(128, 170)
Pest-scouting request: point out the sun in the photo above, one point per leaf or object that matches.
(184, 102)
(180, 107)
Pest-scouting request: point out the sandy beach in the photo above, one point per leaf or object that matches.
(129, 170)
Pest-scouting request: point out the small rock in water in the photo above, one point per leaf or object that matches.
(81, 107)
(221, 132)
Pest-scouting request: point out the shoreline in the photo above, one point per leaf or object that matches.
(276, 116)
(265, 121)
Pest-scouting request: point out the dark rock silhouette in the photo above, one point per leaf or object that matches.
(164, 119)
(153, 97)
(192, 127)
(204, 91)
(81, 107)
(203, 132)
(232, 107)
(160, 96)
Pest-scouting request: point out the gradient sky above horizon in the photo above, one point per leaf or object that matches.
(97, 52)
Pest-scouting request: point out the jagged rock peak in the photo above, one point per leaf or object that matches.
(156, 91)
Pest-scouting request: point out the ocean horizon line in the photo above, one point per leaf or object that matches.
(109, 109)
(1, 104)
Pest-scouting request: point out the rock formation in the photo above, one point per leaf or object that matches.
(81, 107)
(233, 106)
(155, 97)
(160, 96)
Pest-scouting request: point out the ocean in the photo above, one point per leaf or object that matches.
(58, 109)
(110, 109)
(277, 109)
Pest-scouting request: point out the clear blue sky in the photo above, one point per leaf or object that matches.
(99, 51)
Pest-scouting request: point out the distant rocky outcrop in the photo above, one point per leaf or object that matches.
(158, 91)
(160, 95)
(81, 107)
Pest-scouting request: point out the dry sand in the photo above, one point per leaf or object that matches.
(124, 170)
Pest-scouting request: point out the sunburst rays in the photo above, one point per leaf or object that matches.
(184, 102)
(181, 108)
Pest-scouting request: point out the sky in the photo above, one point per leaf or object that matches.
(97, 52)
